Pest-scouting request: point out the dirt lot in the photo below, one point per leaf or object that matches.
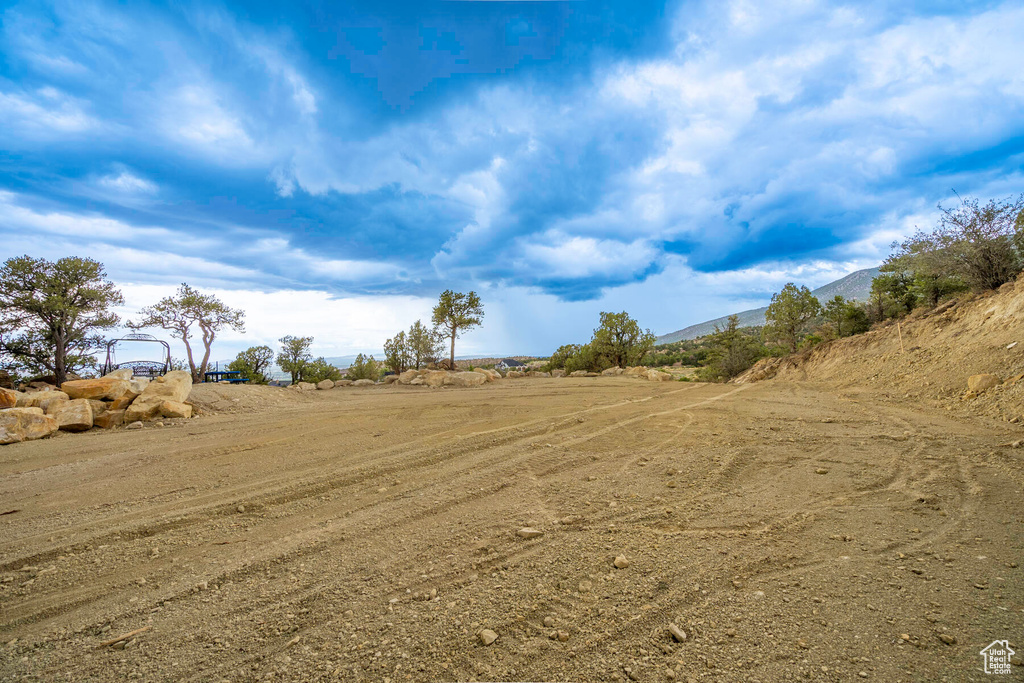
(792, 531)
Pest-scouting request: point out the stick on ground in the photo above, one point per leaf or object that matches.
(126, 636)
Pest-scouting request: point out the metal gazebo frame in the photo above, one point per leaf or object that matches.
(140, 368)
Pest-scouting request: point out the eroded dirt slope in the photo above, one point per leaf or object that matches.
(793, 532)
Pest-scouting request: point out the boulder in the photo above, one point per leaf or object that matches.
(539, 373)
(658, 376)
(36, 399)
(97, 407)
(143, 409)
(25, 424)
(465, 379)
(121, 403)
(363, 383)
(578, 373)
(342, 383)
(592, 374)
(638, 371)
(109, 419)
(514, 374)
(123, 373)
(417, 382)
(305, 386)
(176, 385)
(390, 379)
(558, 372)
(488, 374)
(408, 376)
(50, 406)
(325, 384)
(435, 378)
(980, 383)
(108, 388)
(172, 409)
(8, 398)
(75, 416)
(612, 372)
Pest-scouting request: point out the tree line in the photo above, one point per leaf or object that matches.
(53, 315)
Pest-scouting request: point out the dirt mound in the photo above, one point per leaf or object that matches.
(929, 356)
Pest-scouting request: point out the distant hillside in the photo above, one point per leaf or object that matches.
(856, 285)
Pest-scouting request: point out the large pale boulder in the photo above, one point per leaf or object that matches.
(539, 373)
(123, 373)
(579, 373)
(658, 376)
(980, 383)
(305, 386)
(342, 383)
(141, 409)
(109, 419)
(434, 378)
(173, 409)
(8, 398)
(50, 406)
(176, 385)
(612, 372)
(486, 373)
(37, 399)
(514, 374)
(97, 407)
(363, 383)
(390, 379)
(104, 388)
(558, 372)
(325, 384)
(75, 416)
(25, 424)
(408, 376)
(465, 379)
(638, 371)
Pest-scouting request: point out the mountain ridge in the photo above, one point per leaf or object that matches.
(856, 286)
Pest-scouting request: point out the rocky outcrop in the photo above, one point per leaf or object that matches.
(74, 416)
(983, 382)
(25, 424)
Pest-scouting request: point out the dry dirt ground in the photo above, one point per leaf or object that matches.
(793, 531)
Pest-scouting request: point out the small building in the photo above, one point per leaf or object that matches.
(506, 364)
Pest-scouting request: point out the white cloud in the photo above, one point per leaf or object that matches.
(128, 183)
(46, 113)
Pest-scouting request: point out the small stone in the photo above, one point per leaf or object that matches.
(487, 636)
(241, 508)
(821, 470)
(620, 562)
(553, 635)
(135, 425)
(863, 674)
(947, 639)
(678, 634)
(670, 675)
(549, 622)
(737, 583)
(563, 636)
(904, 636)
(529, 532)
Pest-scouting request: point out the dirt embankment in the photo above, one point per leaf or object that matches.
(928, 356)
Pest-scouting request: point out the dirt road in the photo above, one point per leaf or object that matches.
(369, 535)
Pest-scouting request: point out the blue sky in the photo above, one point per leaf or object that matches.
(332, 168)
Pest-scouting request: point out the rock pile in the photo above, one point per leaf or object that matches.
(82, 404)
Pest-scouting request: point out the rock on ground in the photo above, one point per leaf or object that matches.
(104, 388)
(8, 398)
(109, 419)
(612, 372)
(658, 376)
(75, 416)
(25, 424)
(363, 383)
(465, 379)
(325, 384)
(983, 382)
(174, 409)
